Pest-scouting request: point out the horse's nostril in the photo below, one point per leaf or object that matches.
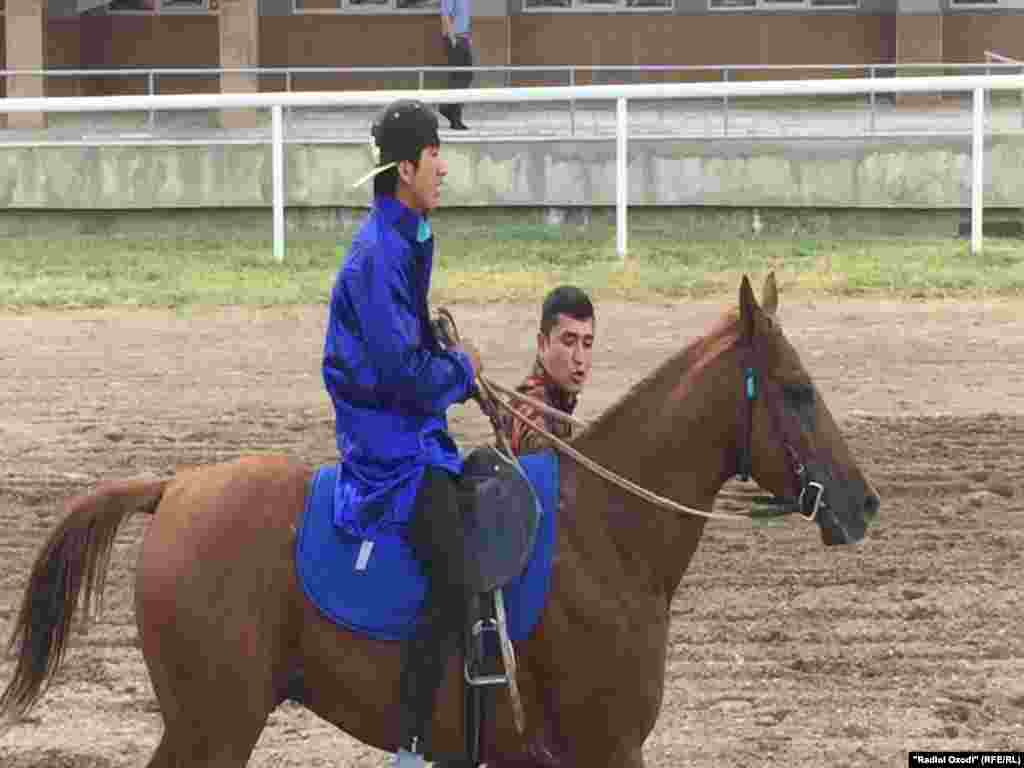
(871, 505)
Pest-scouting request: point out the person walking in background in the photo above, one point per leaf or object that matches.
(455, 23)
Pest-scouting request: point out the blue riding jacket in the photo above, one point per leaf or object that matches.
(390, 381)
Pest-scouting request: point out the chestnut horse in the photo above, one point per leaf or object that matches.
(227, 633)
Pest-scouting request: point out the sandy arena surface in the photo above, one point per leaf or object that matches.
(783, 653)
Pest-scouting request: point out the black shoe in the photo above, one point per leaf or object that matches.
(458, 125)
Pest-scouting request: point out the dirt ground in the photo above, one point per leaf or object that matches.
(783, 652)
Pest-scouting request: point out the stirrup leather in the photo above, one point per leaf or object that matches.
(499, 626)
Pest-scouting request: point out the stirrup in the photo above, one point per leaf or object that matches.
(499, 626)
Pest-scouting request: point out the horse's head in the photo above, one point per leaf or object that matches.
(791, 444)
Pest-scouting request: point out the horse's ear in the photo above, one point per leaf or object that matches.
(770, 295)
(748, 310)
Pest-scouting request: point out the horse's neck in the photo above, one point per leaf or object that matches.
(675, 434)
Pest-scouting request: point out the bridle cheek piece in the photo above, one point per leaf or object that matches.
(811, 499)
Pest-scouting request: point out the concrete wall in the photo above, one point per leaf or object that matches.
(910, 173)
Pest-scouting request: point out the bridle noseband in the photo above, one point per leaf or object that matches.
(811, 496)
(806, 505)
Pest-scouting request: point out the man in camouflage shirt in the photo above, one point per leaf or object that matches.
(564, 355)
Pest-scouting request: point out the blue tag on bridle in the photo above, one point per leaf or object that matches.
(750, 383)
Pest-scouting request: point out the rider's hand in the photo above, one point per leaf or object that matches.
(469, 348)
(443, 331)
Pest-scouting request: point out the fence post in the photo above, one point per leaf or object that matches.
(287, 89)
(572, 102)
(977, 169)
(871, 75)
(725, 105)
(151, 90)
(277, 172)
(621, 176)
(988, 94)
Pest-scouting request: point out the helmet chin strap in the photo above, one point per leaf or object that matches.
(363, 179)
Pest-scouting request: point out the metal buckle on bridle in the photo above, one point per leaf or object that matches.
(819, 490)
(819, 497)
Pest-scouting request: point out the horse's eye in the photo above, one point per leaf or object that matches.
(799, 395)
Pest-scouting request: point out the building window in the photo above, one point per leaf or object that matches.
(597, 5)
(162, 6)
(366, 6)
(779, 5)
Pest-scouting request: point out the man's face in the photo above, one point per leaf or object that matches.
(423, 183)
(567, 351)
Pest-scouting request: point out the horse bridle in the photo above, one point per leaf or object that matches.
(811, 496)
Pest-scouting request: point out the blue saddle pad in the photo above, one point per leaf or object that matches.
(384, 597)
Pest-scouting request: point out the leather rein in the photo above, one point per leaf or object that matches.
(489, 403)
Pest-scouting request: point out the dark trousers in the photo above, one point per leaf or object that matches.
(459, 55)
(436, 536)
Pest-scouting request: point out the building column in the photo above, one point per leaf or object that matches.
(239, 47)
(919, 40)
(24, 36)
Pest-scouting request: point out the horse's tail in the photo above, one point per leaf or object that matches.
(76, 556)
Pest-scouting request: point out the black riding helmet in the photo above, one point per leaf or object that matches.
(400, 132)
(402, 129)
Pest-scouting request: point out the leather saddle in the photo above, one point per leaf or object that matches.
(500, 512)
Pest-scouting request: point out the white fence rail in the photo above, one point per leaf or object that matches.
(978, 86)
(607, 74)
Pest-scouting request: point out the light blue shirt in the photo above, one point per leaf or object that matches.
(461, 11)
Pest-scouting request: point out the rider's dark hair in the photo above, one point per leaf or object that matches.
(386, 183)
(565, 300)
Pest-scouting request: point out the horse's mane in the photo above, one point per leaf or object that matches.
(694, 356)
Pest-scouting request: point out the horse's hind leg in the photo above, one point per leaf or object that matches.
(214, 707)
(212, 679)
(211, 602)
(212, 751)
(189, 753)
(226, 742)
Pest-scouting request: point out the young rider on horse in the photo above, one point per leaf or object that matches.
(391, 384)
(564, 355)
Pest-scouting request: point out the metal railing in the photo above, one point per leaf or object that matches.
(977, 86)
(570, 74)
